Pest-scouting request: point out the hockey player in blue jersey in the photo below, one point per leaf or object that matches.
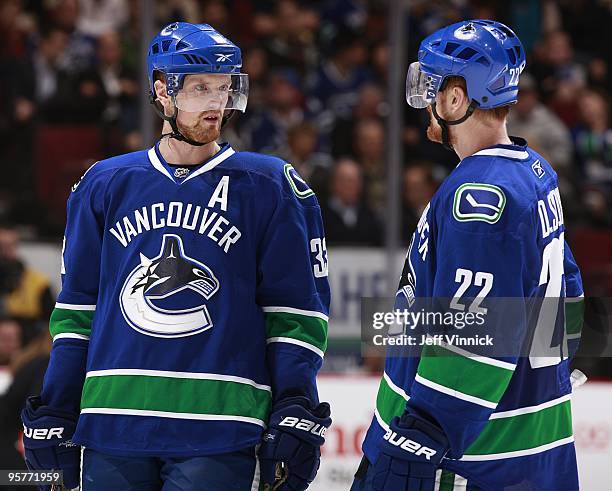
(445, 419)
(193, 313)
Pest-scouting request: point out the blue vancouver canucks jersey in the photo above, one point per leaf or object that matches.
(495, 228)
(192, 299)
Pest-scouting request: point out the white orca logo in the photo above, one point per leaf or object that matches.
(149, 300)
(169, 29)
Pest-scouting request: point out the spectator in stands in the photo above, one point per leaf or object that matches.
(26, 373)
(255, 62)
(544, 131)
(419, 186)
(334, 89)
(380, 62)
(38, 78)
(10, 340)
(15, 26)
(266, 130)
(80, 52)
(287, 31)
(97, 17)
(313, 166)
(369, 150)
(121, 87)
(42, 88)
(593, 137)
(559, 75)
(593, 150)
(216, 13)
(371, 105)
(347, 219)
(24, 292)
(346, 13)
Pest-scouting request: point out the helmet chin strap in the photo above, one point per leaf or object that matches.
(176, 134)
(445, 124)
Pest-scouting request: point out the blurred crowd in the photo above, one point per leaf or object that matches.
(69, 72)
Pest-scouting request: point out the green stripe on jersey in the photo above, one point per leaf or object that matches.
(64, 321)
(447, 481)
(309, 329)
(388, 402)
(524, 431)
(176, 395)
(574, 316)
(464, 374)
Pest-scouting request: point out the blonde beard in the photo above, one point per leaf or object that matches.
(434, 130)
(201, 133)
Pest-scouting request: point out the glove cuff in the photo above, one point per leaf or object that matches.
(45, 427)
(295, 416)
(414, 439)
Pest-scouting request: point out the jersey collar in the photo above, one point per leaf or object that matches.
(158, 161)
(516, 151)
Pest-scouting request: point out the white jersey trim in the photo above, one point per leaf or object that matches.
(257, 473)
(157, 164)
(169, 374)
(481, 359)
(70, 335)
(220, 157)
(168, 414)
(291, 310)
(580, 298)
(503, 152)
(380, 421)
(518, 453)
(437, 480)
(223, 155)
(530, 409)
(454, 393)
(74, 306)
(297, 342)
(398, 390)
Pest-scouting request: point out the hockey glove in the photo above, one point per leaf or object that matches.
(46, 439)
(410, 453)
(290, 453)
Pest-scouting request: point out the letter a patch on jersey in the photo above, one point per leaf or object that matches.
(478, 202)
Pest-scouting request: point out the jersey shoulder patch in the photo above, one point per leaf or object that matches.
(298, 185)
(478, 202)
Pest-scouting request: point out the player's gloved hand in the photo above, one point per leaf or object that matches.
(46, 439)
(290, 451)
(410, 453)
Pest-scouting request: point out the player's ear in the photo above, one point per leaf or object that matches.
(162, 96)
(458, 99)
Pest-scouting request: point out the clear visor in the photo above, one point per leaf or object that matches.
(421, 87)
(213, 92)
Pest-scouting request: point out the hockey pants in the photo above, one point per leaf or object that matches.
(230, 471)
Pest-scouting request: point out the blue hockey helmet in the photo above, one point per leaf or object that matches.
(485, 53)
(181, 49)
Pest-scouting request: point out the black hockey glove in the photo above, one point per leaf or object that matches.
(46, 438)
(410, 453)
(290, 451)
